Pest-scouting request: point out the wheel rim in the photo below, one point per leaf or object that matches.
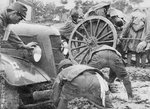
(89, 33)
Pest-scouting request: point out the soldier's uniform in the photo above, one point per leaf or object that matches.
(106, 56)
(80, 81)
(134, 31)
(67, 29)
(5, 21)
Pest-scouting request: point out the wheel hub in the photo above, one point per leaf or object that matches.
(92, 42)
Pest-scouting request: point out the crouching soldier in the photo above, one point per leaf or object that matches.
(80, 81)
(106, 56)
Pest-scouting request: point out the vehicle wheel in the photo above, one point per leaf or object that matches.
(93, 31)
(9, 98)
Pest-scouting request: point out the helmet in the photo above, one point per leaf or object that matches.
(64, 63)
(20, 8)
(118, 21)
(74, 13)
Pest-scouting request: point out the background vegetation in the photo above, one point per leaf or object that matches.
(49, 11)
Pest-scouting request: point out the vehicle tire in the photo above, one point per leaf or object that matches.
(9, 98)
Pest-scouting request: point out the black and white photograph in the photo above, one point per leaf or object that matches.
(74, 54)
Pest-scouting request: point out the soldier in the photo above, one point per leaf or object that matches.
(80, 81)
(13, 15)
(67, 29)
(132, 35)
(77, 9)
(144, 45)
(100, 9)
(106, 56)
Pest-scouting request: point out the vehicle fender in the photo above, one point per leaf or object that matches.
(19, 72)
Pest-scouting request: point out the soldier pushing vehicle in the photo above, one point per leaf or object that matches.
(80, 81)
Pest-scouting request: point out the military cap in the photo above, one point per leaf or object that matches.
(20, 8)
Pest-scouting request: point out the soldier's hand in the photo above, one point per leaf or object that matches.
(30, 45)
(148, 46)
(141, 46)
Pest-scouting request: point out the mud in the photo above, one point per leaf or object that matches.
(140, 79)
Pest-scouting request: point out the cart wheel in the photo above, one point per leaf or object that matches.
(89, 33)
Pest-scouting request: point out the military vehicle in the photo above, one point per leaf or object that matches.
(24, 73)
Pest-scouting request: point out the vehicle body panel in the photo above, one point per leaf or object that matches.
(19, 66)
(19, 72)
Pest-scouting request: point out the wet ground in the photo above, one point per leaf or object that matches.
(140, 79)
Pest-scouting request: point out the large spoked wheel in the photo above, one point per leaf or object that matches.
(89, 33)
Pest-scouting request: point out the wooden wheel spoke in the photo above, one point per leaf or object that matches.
(78, 47)
(91, 28)
(90, 32)
(97, 27)
(84, 56)
(81, 35)
(101, 42)
(80, 53)
(78, 41)
(85, 31)
(110, 32)
(102, 30)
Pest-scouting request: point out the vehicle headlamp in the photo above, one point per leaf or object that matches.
(37, 53)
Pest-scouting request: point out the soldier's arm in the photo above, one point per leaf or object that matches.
(126, 28)
(15, 40)
(67, 29)
(147, 32)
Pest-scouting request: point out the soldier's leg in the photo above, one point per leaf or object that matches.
(143, 59)
(148, 55)
(129, 56)
(127, 84)
(117, 65)
(112, 77)
(62, 103)
(137, 56)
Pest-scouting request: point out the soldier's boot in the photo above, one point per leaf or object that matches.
(127, 84)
